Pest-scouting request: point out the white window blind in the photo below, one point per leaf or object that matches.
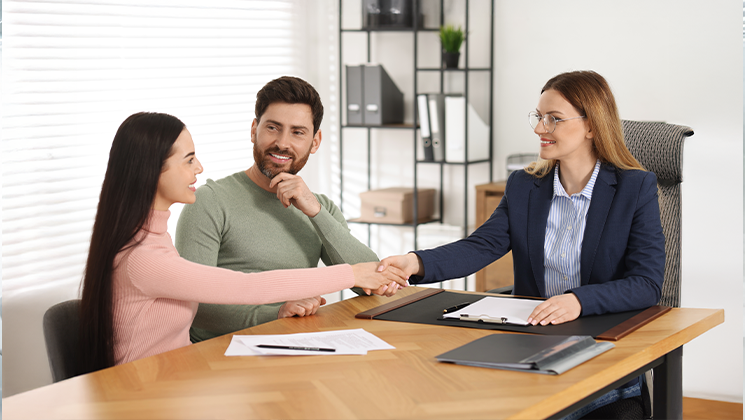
(72, 71)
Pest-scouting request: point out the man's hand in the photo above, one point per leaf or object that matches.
(291, 189)
(556, 310)
(302, 307)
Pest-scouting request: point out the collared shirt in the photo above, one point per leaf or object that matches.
(565, 229)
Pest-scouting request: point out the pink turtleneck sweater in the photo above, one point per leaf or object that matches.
(156, 291)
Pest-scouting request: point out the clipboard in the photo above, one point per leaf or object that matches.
(484, 318)
(496, 310)
(425, 307)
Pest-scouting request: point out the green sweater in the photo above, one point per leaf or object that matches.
(237, 225)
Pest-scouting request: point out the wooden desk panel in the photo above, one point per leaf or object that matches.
(500, 272)
(406, 383)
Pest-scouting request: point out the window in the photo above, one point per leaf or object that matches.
(73, 71)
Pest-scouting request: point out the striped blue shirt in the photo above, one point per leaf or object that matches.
(564, 232)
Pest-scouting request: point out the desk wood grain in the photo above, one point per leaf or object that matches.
(406, 383)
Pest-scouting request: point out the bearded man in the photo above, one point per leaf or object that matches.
(266, 218)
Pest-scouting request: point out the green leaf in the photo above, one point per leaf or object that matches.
(451, 38)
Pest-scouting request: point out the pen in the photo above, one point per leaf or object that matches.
(274, 346)
(456, 307)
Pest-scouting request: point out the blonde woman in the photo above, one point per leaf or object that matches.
(583, 223)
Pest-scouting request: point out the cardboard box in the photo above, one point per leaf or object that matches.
(396, 205)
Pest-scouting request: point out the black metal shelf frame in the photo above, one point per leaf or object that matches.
(413, 127)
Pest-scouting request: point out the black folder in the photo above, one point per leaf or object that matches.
(426, 306)
(548, 354)
(373, 99)
(384, 101)
(355, 102)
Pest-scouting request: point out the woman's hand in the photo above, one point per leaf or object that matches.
(556, 310)
(409, 263)
(369, 277)
(386, 291)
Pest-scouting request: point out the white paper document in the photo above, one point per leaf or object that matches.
(498, 310)
(356, 341)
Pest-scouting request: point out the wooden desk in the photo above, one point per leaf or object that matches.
(500, 272)
(199, 382)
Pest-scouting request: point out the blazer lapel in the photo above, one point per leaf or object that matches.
(602, 198)
(539, 204)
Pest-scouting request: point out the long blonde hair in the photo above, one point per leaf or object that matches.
(590, 94)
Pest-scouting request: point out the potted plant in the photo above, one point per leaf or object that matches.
(451, 38)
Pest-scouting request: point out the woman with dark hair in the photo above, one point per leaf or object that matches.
(583, 223)
(139, 297)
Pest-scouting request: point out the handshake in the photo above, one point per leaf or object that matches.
(388, 276)
(381, 278)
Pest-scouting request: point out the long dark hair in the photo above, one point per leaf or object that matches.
(141, 145)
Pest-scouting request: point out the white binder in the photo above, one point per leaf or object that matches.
(455, 130)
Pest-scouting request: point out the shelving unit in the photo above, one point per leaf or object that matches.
(465, 70)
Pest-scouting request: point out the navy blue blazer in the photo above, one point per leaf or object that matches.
(622, 262)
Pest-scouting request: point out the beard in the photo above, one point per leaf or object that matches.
(270, 169)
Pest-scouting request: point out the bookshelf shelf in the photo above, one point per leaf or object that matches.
(392, 30)
(470, 162)
(383, 127)
(453, 70)
(421, 222)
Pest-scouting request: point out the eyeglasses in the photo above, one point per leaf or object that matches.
(549, 121)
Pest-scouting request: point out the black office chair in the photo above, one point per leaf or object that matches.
(61, 334)
(658, 147)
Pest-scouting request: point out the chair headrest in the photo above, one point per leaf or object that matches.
(658, 147)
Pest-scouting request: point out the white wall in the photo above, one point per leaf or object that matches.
(675, 61)
(667, 60)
